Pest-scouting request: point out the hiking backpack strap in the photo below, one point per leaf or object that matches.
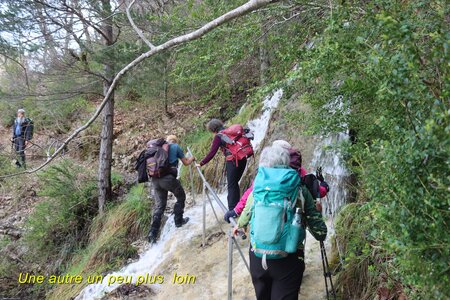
(302, 207)
(302, 200)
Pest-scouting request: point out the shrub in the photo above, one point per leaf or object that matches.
(110, 240)
(59, 224)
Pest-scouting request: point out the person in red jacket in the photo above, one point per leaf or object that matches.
(234, 169)
(295, 163)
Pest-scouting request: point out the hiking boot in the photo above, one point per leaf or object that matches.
(181, 222)
(152, 237)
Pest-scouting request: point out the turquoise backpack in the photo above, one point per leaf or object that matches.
(275, 195)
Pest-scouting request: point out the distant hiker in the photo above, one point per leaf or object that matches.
(279, 209)
(162, 162)
(295, 158)
(22, 134)
(235, 144)
(295, 162)
(324, 188)
(316, 184)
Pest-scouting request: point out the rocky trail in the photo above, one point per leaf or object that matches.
(179, 252)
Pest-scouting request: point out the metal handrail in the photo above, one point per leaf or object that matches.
(213, 193)
(231, 239)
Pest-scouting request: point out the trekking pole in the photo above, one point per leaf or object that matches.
(333, 292)
(230, 265)
(326, 272)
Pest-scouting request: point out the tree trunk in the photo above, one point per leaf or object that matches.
(264, 62)
(105, 157)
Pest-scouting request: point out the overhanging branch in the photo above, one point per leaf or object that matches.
(233, 14)
(138, 31)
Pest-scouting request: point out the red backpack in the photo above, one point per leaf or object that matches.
(237, 143)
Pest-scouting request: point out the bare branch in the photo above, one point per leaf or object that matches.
(138, 31)
(233, 14)
(21, 65)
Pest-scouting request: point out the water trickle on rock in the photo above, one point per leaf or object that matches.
(259, 126)
(336, 175)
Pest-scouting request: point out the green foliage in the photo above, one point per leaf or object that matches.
(116, 178)
(110, 240)
(357, 232)
(6, 161)
(381, 70)
(418, 203)
(59, 224)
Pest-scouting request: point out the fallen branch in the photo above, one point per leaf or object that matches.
(233, 14)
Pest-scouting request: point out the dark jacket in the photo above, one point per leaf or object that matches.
(215, 146)
(26, 129)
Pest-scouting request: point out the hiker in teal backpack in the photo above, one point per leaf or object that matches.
(279, 209)
(22, 133)
(296, 164)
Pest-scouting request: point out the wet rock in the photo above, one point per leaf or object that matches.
(11, 231)
(130, 291)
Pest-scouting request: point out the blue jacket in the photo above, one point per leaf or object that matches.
(26, 129)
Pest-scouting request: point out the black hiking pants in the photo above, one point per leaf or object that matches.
(162, 186)
(234, 174)
(282, 279)
(19, 146)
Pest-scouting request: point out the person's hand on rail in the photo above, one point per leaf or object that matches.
(237, 231)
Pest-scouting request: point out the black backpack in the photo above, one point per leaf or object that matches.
(141, 166)
(153, 161)
(29, 128)
(313, 185)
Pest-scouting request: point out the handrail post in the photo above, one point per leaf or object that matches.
(230, 265)
(179, 171)
(204, 216)
(191, 175)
